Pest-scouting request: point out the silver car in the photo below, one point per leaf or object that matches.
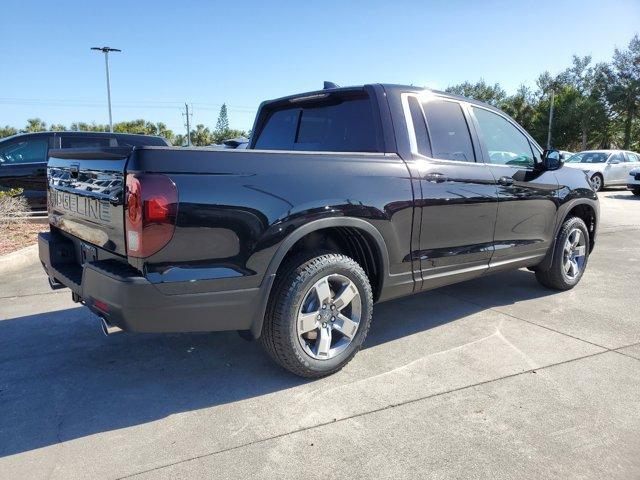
(605, 168)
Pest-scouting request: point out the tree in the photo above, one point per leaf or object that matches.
(589, 112)
(201, 136)
(521, 107)
(491, 94)
(222, 125)
(624, 91)
(88, 127)
(7, 131)
(57, 127)
(35, 125)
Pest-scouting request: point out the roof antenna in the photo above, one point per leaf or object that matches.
(328, 85)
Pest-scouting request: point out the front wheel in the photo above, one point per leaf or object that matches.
(636, 192)
(319, 314)
(597, 182)
(569, 258)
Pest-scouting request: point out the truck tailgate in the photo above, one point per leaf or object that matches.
(86, 195)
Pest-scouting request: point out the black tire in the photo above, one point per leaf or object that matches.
(556, 277)
(636, 192)
(279, 333)
(599, 185)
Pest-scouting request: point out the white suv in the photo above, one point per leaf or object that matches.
(605, 167)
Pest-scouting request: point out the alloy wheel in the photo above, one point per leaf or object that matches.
(329, 317)
(574, 254)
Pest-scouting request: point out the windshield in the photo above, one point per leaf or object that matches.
(588, 157)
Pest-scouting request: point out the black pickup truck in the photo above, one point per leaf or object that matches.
(345, 197)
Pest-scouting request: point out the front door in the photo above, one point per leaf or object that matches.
(527, 197)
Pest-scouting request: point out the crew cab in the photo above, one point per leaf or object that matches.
(344, 197)
(23, 157)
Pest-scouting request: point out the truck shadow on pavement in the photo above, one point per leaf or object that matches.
(60, 379)
(630, 196)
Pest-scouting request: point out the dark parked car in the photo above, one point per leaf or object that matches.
(23, 157)
(345, 197)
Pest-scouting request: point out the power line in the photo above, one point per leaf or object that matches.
(123, 104)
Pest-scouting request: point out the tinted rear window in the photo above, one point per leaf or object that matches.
(345, 125)
(82, 142)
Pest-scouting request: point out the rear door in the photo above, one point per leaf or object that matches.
(458, 203)
(632, 163)
(23, 164)
(527, 197)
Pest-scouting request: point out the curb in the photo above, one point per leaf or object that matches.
(20, 258)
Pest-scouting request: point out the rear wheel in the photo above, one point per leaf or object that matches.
(570, 256)
(636, 191)
(597, 182)
(318, 315)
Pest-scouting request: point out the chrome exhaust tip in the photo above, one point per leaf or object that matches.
(109, 329)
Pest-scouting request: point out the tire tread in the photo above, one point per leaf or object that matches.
(294, 273)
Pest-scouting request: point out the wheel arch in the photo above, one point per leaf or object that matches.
(583, 208)
(359, 239)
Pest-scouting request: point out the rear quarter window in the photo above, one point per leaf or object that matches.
(338, 125)
(449, 132)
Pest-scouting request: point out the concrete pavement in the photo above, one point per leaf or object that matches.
(497, 377)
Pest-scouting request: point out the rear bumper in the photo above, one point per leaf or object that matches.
(120, 294)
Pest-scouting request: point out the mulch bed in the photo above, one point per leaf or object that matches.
(16, 236)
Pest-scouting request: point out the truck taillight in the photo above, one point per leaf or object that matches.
(151, 211)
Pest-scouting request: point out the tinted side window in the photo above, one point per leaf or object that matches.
(506, 145)
(26, 151)
(419, 127)
(82, 142)
(279, 130)
(448, 131)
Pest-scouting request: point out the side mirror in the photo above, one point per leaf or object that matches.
(551, 160)
(614, 161)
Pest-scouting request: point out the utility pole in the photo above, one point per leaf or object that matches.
(106, 51)
(550, 119)
(187, 114)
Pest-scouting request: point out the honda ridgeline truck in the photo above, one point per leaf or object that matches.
(345, 197)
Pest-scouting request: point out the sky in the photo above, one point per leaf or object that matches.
(206, 52)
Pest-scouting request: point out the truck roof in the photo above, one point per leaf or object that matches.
(388, 87)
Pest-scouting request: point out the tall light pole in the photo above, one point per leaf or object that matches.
(550, 119)
(106, 51)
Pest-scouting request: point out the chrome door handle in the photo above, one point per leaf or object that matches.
(435, 177)
(505, 181)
